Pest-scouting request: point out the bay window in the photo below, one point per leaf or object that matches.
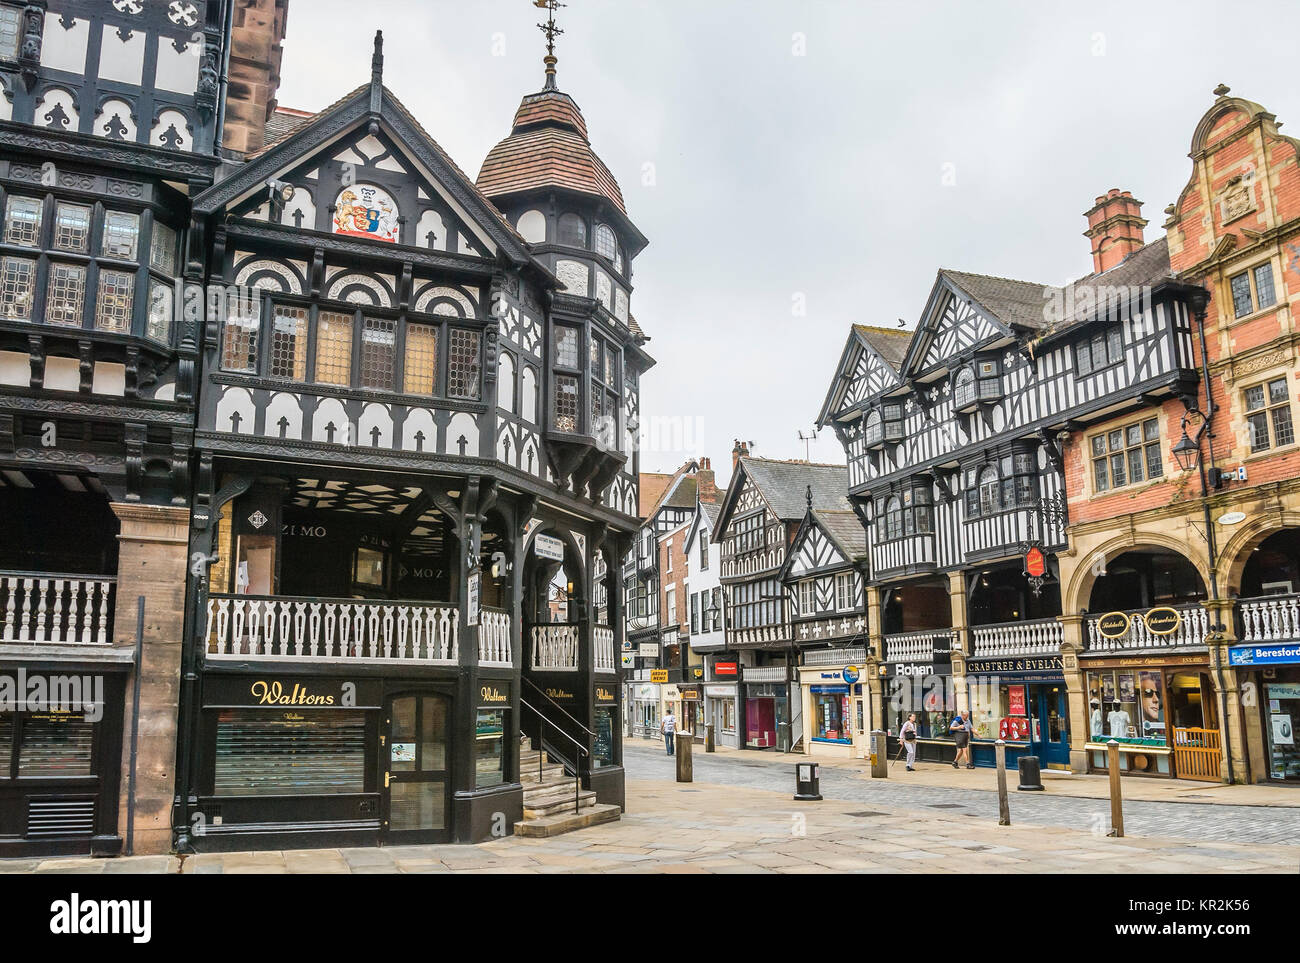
(909, 512)
(1126, 456)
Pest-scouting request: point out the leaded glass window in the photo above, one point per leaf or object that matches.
(566, 347)
(334, 348)
(160, 311)
(65, 294)
(378, 353)
(421, 368)
(289, 343)
(72, 227)
(239, 349)
(10, 31)
(606, 245)
(1265, 403)
(463, 364)
(121, 235)
(113, 305)
(162, 249)
(566, 403)
(17, 280)
(23, 221)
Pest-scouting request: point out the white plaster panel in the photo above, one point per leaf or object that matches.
(506, 382)
(177, 71)
(286, 406)
(109, 379)
(121, 60)
(462, 424)
(234, 401)
(15, 368)
(419, 421)
(375, 416)
(64, 48)
(172, 123)
(114, 112)
(330, 411)
(528, 395)
(45, 107)
(62, 374)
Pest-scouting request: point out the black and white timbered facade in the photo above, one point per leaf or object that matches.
(954, 434)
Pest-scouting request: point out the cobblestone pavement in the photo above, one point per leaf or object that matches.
(1186, 820)
(702, 828)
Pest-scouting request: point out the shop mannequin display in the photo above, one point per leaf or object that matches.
(1097, 724)
(1118, 720)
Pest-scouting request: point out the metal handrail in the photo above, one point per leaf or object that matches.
(542, 751)
(558, 706)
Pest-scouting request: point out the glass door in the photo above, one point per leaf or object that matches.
(415, 754)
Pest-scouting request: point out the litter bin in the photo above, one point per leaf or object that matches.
(806, 781)
(1031, 779)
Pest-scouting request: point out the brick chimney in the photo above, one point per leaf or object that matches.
(704, 483)
(741, 450)
(1115, 228)
(255, 51)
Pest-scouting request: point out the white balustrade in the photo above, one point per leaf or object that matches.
(1275, 618)
(330, 630)
(837, 657)
(765, 673)
(1037, 637)
(39, 607)
(603, 637)
(1192, 628)
(912, 646)
(555, 647)
(494, 638)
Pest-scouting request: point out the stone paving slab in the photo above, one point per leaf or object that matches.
(730, 829)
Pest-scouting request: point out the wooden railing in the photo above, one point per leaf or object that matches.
(1192, 627)
(1036, 637)
(330, 630)
(555, 647)
(494, 637)
(603, 638)
(1273, 618)
(38, 607)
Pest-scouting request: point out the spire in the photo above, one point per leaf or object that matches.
(377, 73)
(551, 31)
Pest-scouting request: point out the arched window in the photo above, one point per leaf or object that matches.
(532, 226)
(964, 388)
(872, 431)
(573, 231)
(618, 260)
(606, 245)
(988, 490)
(894, 518)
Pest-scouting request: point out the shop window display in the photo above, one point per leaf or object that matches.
(1000, 712)
(489, 755)
(1282, 717)
(832, 714)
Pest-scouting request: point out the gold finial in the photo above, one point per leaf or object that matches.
(552, 31)
(1221, 90)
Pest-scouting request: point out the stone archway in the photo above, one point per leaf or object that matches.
(1237, 550)
(1092, 565)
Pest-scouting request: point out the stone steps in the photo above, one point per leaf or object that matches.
(557, 802)
(567, 822)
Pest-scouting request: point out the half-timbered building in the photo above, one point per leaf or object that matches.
(824, 576)
(764, 506)
(955, 458)
(414, 457)
(110, 117)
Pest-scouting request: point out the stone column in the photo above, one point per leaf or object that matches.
(957, 600)
(877, 689)
(151, 562)
(1076, 689)
(1234, 735)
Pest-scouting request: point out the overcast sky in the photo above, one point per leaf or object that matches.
(833, 155)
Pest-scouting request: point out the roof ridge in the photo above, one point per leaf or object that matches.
(996, 277)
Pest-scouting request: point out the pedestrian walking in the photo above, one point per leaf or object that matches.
(908, 734)
(668, 727)
(961, 729)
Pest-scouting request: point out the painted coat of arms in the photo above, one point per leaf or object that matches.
(363, 210)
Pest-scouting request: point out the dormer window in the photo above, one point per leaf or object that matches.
(883, 424)
(977, 383)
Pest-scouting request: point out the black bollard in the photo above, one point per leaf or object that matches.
(1031, 779)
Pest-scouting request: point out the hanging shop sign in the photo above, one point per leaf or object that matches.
(473, 598)
(659, 676)
(851, 674)
(1163, 620)
(547, 546)
(628, 660)
(1035, 563)
(648, 650)
(726, 668)
(690, 695)
(1281, 654)
(1113, 624)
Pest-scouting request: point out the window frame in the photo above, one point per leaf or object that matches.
(1124, 451)
(1269, 410)
(1251, 276)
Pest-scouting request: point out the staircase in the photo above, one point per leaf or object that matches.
(549, 798)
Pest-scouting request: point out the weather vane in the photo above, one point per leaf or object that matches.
(549, 28)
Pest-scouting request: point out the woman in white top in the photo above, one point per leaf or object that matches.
(908, 734)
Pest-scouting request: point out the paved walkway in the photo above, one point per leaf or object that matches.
(703, 828)
(1055, 782)
(938, 787)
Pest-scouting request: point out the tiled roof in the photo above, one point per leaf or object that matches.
(890, 343)
(711, 511)
(1012, 302)
(652, 486)
(548, 147)
(284, 121)
(784, 484)
(845, 528)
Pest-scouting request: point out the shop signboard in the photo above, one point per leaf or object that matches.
(941, 654)
(547, 546)
(1035, 562)
(473, 598)
(851, 674)
(628, 660)
(605, 694)
(1113, 624)
(1163, 620)
(1275, 654)
(289, 692)
(720, 691)
(726, 668)
(659, 676)
(648, 650)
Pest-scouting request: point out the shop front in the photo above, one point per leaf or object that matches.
(835, 707)
(720, 712)
(766, 712)
(690, 710)
(1021, 700)
(320, 760)
(1274, 670)
(61, 737)
(1162, 710)
(645, 710)
(928, 690)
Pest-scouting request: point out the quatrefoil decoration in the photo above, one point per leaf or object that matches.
(132, 7)
(183, 13)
